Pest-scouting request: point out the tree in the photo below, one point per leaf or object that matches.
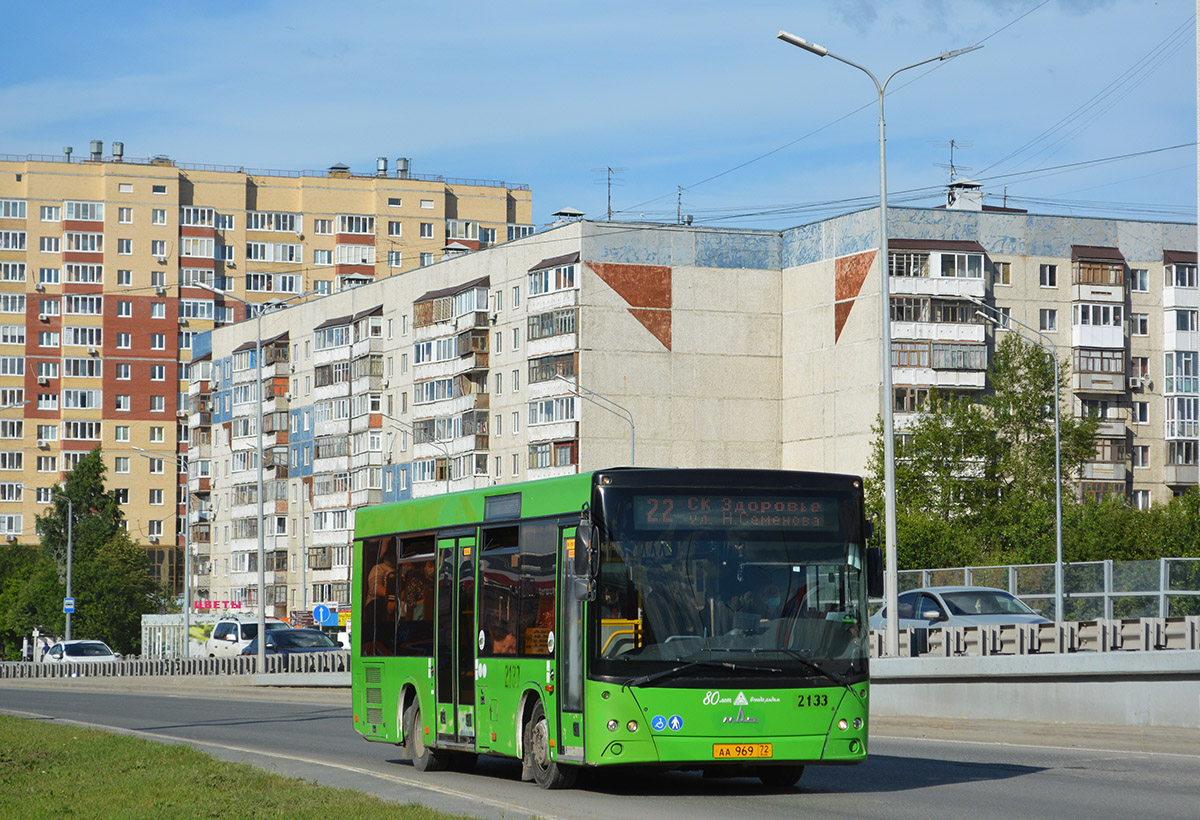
(975, 480)
(111, 582)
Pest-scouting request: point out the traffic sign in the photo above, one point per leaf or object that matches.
(320, 613)
(68, 606)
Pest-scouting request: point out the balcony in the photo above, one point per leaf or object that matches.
(953, 286)
(1098, 293)
(1103, 471)
(1180, 339)
(1098, 382)
(933, 331)
(1177, 297)
(1186, 475)
(1111, 428)
(1105, 336)
(956, 379)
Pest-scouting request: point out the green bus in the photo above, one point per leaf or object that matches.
(671, 618)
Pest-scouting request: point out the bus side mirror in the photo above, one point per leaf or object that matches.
(583, 589)
(874, 572)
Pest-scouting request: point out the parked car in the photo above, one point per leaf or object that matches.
(231, 635)
(80, 652)
(285, 642)
(936, 607)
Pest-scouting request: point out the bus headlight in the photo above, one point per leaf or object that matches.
(858, 723)
(631, 725)
(843, 724)
(612, 725)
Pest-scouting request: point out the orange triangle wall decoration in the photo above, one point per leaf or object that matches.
(849, 274)
(647, 291)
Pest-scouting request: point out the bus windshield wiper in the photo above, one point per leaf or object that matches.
(792, 653)
(644, 679)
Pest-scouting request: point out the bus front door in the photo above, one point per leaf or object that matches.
(455, 656)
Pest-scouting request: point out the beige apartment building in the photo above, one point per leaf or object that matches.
(600, 344)
(110, 267)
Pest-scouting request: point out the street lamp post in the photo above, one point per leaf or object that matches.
(891, 592)
(183, 463)
(1052, 351)
(260, 528)
(433, 441)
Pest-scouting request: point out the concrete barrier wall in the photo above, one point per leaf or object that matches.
(1111, 689)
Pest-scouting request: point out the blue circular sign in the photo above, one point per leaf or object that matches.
(658, 723)
(320, 613)
(675, 723)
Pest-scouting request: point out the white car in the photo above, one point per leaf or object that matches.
(231, 635)
(80, 652)
(935, 607)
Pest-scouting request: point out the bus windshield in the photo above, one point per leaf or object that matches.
(757, 582)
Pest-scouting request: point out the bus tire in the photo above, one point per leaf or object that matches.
(424, 758)
(780, 777)
(546, 773)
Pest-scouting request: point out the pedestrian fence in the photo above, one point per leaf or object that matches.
(312, 662)
(1124, 635)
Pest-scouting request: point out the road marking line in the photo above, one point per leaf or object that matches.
(1036, 746)
(500, 804)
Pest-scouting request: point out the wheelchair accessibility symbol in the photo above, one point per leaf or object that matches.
(658, 723)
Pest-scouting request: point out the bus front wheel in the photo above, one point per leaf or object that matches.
(547, 773)
(424, 758)
(780, 777)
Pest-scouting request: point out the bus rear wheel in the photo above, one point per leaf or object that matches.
(780, 777)
(547, 773)
(424, 758)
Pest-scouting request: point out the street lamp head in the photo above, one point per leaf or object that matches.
(800, 42)
(950, 55)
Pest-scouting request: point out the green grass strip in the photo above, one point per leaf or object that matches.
(54, 771)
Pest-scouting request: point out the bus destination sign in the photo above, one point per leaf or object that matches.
(717, 511)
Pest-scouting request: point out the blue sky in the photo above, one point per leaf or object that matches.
(694, 94)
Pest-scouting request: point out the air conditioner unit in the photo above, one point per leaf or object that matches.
(93, 351)
(12, 539)
(181, 414)
(39, 287)
(1135, 383)
(43, 380)
(154, 539)
(162, 260)
(43, 444)
(160, 291)
(43, 317)
(183, 322)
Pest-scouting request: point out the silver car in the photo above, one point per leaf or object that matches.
(935, 607)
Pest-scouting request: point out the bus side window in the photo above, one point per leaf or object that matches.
(499, 591)
(539, 548)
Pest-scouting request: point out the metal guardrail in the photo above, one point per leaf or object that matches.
(313, 662)
(1165, 587)
(1128, 635)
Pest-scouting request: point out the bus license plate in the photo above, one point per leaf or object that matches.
(731, 751)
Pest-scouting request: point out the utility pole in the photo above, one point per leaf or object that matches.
(70, 520)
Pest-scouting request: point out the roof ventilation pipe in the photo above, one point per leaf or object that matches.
(97, 150)
(402, 166)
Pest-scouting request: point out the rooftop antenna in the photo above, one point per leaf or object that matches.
(952, 144)
(679, 206)
(609, 170)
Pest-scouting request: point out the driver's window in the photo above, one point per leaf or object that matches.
(905, 604)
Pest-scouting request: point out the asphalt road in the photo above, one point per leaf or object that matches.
(1033, 772)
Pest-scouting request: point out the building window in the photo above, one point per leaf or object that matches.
(1141, 456)
(125, 247)
(323, 257)
(121, 464)
(1048, 319)
(158, 341)
(426, 260)
(1139, 324)
(395, 228)
(51, 213)
(156, 498)
(124, 341)
(158, 310)
(1141, 412)
(1048, 276)
(158, 189)
(158, 247)
(323, 227)
(49, 244)
(1141, 499)
(1180, 276)
(394, 259)
(122, 404)
(158, 404)
(427, 204)
(1139, 280)
(125, 277)
(125, 216)
(427, 230)
(158, 216)
(1001, 273)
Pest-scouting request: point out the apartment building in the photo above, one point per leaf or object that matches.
(600, 344)
(110, 267)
